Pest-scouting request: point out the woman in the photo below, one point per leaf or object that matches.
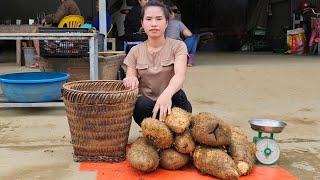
(158, 66)
(132, 23)
(175, 29)
(67, 7)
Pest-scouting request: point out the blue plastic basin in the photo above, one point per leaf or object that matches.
(33, 86)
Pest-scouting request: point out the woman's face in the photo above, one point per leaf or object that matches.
(154, 22)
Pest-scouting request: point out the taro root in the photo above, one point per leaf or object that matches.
(143, 156)
(215, 162)
(242, 151)
(157, 133)
(200, 115)
(209, 130)
(171, 159)
(184, 143)
(178, 120)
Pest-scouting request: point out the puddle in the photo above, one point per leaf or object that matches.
(306, 109)
(296, 140)
(204, 102)
(303, 166)
(303, 121)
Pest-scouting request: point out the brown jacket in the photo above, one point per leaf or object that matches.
(68, 7)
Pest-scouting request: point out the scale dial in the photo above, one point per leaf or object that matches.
(268, 151)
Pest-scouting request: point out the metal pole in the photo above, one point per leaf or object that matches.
(94, 67)
(18, 52)
(103, 21)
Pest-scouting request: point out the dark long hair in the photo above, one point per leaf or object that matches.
(155, 3)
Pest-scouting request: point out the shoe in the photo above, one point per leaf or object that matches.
(191, 59)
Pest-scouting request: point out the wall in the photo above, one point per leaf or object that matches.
(214, 15)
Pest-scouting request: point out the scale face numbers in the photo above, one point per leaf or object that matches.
(268, 151)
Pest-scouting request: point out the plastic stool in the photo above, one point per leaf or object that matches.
(127, 44)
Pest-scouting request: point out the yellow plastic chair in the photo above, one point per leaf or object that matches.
(71, 21)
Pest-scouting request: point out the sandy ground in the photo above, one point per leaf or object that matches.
(35, 142)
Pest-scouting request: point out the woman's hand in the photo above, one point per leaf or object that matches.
(131, 82)
(163, 104)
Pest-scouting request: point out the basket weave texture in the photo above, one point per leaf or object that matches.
(99, 115)
(78, 68)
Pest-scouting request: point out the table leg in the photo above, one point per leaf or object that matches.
(113, 42)
(94, 67)
(18, 52)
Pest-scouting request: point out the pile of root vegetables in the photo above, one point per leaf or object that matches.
(214, 147)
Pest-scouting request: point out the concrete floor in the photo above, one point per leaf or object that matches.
(35, 142)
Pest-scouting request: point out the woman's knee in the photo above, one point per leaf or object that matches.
(143, 108)
(143, 102)
(180, 100)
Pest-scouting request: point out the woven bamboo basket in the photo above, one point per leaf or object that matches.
(78, 68)
(99, 115)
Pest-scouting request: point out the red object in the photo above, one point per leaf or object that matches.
(122, 171)
(304, 4)
(315, 35)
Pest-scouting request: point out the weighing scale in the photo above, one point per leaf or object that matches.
(268, 150)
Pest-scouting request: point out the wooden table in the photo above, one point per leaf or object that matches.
(93, 51)
(18, 29)
(92, 37)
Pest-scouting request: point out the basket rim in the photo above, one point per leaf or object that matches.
(97, 92)
(90, 105)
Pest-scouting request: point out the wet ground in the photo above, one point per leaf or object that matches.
(35, 142)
